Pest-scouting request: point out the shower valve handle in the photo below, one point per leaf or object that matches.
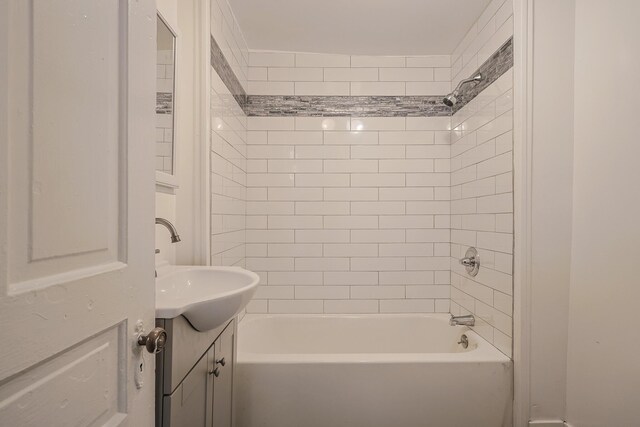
(468, 262)
(471, 262)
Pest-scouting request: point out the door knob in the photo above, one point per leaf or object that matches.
(154, 341)
(221, 362)
(215, 372)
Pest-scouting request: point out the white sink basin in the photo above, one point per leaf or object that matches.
(207, 296)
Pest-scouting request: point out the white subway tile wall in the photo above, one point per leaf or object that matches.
(368, 215)
(228, 155)
(482, 210)
(482, 183)
(491, 30)
(285, 73)
(228, 35)
(349, 215)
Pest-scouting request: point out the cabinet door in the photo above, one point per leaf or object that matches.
(187, 405)
(223, 383)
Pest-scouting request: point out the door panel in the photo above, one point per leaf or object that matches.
(82, 200)
(76, 210)
(58, 386)
(68, 140)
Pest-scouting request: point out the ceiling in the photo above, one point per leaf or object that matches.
(364, 27)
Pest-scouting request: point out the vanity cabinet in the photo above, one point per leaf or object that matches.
(223, 382)
(194, 376)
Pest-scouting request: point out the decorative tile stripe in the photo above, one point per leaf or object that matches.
(357, 106)
(498, 64)
(164, 102)
(224, 70)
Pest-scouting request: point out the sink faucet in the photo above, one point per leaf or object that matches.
(467, 320)
(174, 233)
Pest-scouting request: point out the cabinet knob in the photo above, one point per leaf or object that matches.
(215, 372)
(221, 362)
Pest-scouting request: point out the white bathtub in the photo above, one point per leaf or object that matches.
(368, 371)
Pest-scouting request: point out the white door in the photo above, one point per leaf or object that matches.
(76, 211)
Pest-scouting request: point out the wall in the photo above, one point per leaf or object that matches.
(551, 186)
(287, 73)
(353, 215)
(228, 35)
(227, 156)
(485, 36)
(482, 184)
(228, 164)
(482, 210)
(182, 205)
(228, 176)
(583, 216)
(603, 367)
(190, 133)
(165, 199)
(349, 215)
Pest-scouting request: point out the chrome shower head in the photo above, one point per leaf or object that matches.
(452, 99)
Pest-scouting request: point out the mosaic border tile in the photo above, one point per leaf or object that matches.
(164, 103)
(358, 106)
(497, 64)
(224, 70)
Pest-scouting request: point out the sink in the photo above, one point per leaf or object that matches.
(207, 296)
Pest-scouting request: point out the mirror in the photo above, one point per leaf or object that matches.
(165, 103)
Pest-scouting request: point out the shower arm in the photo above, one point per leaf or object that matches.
(477, 78)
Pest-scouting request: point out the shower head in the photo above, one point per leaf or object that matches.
(452, 99)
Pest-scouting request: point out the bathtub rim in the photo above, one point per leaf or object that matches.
(484, 352)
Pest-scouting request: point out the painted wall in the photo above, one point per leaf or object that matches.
(551, 210)
(583, 289)
(603, 367)
(191, 168)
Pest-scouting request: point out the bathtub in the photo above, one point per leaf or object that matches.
(368, 371)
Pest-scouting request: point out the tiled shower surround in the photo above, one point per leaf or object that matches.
(370, 214)
(228, 157)
(349, 215)
(482, 210)
(482, 183)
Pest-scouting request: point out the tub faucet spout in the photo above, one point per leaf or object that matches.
(467, 320)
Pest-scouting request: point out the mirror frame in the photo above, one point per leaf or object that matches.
(162, 178)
